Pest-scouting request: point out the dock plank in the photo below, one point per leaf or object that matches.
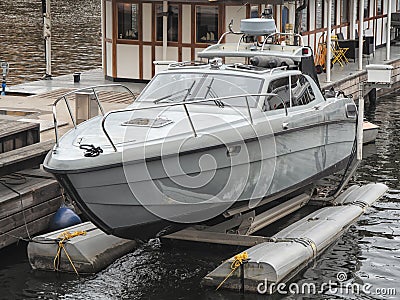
(9, 127)
(33, 192)
(34, 227)
(16, 220)
(23, 158)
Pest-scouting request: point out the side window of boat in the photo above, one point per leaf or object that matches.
(280, 87)
(302, 92)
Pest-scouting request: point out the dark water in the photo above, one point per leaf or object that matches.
(76, 38)
(367, 253)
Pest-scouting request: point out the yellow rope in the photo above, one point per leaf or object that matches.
(237, 262)
(65, 236)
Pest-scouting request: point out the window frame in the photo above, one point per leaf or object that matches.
(382, 7)
(345, 3)
(218, 24)
(322, 15)
(138, 21)
(334, 13)
(367, 9)
(305, 13)
(178, 27)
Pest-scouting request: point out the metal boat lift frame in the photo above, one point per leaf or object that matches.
(238, 230)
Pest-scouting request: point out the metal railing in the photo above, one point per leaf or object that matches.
(90, 89)
(157, 106)
(283, 34)
(185, 104)
(266, 38)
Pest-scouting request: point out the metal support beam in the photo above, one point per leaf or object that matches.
(360, 34)
(243, 226)
(360, 121)
(389, 21)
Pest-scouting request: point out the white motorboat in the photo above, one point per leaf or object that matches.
(204, 137)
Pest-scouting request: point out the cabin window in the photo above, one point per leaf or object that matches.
(206, 24)
(128, 21)
(344, 13)
(319, 14)
(280, 87)
(178, 87)
(302, 92)
(172, 23)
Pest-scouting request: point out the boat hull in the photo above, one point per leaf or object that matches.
(145, 199)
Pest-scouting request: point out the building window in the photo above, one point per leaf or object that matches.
(172, 23)
(333, 16)
(304, 26)
(128, 21)
(379, 7)
(285, 18)
(344, 11)
(254, 13)
(319, 14)
(366, 8)
(206, 24)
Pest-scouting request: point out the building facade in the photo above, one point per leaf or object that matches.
(137, 32)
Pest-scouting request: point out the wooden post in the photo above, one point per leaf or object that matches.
(47, 36)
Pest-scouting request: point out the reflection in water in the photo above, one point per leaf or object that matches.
(76, 39)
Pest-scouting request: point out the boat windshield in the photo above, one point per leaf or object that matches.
(178, 87)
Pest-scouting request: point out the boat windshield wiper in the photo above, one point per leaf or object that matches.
(213, 94)
(174, 96)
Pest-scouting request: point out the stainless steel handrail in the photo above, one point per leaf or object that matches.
(184, 104)
(64, 97)
(284, 34)
(277, 69)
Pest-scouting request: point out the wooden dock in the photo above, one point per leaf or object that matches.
(30, 196)
(14, 134)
